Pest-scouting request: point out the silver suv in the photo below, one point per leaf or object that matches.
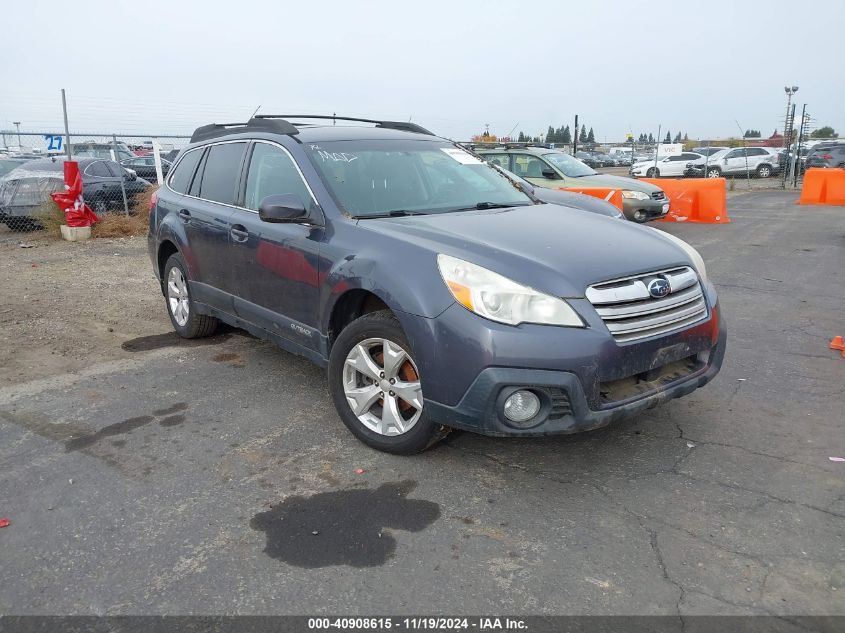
(760, 161)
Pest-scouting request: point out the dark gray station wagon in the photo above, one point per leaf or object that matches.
(436, 293)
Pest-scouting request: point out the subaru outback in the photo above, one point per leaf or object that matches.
(436, 293)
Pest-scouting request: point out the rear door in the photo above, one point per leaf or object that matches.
(275, 265)
(206, 213)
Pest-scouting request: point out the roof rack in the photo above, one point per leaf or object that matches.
(392, 125)
(255, 124)
(506, 144)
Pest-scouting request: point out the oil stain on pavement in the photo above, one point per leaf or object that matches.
(127, 426)
(344, 527)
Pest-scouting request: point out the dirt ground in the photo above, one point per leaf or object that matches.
(68, 304)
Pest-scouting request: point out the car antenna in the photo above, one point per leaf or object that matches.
(256, 112)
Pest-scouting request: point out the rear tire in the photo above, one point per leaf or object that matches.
(764, 171)
(361, 364)
(180, 307)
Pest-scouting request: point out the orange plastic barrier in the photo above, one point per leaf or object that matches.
(694, 199)
(823, 186)
(613, 196)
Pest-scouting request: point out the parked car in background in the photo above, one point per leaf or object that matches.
(435, 293)
(761, 162)
(553, 169)
(832, 155)
(708, 150)
(91, 149)
(25, 189)
(8, 164)
(665, 166)
(145, 166)
(566, 199)
(587, 158)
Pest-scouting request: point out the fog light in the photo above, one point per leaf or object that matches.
(521, 406)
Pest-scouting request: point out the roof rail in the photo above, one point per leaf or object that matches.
(255, 124)
(392, 125)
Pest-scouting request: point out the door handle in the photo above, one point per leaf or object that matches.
(184, 214)
(239, 233)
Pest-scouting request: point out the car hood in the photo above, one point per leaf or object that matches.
(557, 250)
(612, 182)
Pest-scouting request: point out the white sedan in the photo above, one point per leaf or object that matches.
(665, 166)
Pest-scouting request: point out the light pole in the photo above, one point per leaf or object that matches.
(17, 124)
(789, 92)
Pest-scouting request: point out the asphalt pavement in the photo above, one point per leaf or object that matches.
(217, 478)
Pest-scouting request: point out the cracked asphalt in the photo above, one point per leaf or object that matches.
(217, 478)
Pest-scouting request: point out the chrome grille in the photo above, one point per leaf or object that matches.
(631, 313)
(658, 195)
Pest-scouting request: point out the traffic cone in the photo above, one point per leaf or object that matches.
(838, 343)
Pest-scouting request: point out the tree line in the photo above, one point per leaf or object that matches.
(563, 135)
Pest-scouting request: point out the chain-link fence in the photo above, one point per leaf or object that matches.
(117, 170)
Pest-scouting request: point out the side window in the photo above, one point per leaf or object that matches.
(272, 172)
(733, 154)
(677, 158)
(114, 169)
(756, 151)
(222, 168)
(98, 169)
(528, 166)
(502, 160)
(180, 178)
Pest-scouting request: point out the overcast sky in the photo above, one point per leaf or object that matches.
(156, 67)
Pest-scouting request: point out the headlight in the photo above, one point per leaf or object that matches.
(636, 195)
(694, 255)
(497, 298)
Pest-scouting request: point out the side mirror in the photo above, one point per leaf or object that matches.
(129, 174)
(282, 208)
(550, 173)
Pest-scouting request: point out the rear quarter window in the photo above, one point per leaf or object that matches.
(180, 178)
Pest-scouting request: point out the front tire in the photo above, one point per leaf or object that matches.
(714, 172)
(375, 386)
(652, 172)
(187, 322)
(764, 171)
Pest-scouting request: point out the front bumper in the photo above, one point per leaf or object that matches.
(652, 208)
(478, 363)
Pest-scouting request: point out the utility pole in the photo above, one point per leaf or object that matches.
(575, 137)
(68, 148)
(17, 124)
(656, 149)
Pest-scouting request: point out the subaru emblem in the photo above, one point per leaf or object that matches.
(658, 288)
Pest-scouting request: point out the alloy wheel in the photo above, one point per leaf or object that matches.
(177, 296)
(382, 386)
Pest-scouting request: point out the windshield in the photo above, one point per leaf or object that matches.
(369, 178)
(569, 165)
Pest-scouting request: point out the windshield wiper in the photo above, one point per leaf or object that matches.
(396, 213)
(489, 205)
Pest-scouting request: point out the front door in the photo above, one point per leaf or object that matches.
(531, 168)
(276, 264)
